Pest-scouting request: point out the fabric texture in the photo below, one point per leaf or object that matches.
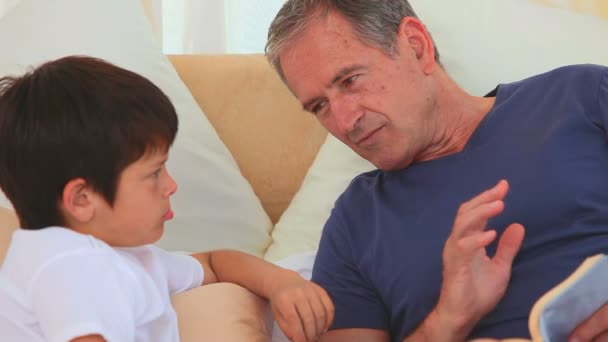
(546, 135)
(222, 312)
(215, 207)
(122, 294)
(299, 228)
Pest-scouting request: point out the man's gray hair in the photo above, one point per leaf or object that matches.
(376, 22)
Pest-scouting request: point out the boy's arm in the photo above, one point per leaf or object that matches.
(302, 309)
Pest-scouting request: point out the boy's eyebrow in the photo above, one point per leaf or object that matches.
(341, 73)
(161, 161)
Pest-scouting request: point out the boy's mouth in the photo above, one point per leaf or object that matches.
(168, 215)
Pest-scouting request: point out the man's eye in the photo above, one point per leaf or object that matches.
(349, 81)
(317, 108)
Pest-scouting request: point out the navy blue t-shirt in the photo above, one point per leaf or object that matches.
(380, 253)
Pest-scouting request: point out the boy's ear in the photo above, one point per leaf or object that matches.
(78, 201)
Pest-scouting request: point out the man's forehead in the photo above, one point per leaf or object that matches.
(318, 53)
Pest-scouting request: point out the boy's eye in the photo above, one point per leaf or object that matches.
(156, 173)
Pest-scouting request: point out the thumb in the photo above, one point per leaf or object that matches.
(509, 244)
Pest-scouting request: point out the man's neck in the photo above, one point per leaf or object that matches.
(458, 115)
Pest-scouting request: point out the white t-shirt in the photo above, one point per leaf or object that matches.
(56, 285)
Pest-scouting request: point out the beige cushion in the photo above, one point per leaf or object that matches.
(222, 312)
(272, 139)
(8, 223)
(299, 229)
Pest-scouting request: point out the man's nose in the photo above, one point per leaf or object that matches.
(347, 112)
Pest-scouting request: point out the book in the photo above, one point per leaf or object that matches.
(560, 310)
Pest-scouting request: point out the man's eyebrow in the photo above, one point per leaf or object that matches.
(343, 72)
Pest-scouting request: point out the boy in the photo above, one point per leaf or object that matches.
(83, 146)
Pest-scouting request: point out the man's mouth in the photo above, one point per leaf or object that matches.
(365, 138)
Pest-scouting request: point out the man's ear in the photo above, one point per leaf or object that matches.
(78, 201)
(419, 41)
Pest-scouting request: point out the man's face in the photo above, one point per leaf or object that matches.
(378, 105)
(141, 205)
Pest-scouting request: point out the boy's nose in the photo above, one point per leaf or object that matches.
(172, 187)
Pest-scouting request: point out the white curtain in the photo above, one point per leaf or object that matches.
(214, 26)
(5, 5)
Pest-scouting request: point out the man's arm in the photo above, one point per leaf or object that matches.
(302, 309)
(359, 335)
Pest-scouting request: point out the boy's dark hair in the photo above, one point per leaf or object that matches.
(75, 117)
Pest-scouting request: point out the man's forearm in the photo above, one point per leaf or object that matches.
(436, 328)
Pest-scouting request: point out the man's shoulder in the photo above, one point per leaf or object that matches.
(578, 71)
(570, 74)
(573, 81)
(363, 186)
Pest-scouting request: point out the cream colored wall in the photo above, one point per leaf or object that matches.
(153, 15)
(594, 7)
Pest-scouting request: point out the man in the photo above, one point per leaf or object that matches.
(396, 263)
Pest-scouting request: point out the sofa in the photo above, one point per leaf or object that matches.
(255, 172)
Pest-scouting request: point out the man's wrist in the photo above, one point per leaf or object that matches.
(442, 327)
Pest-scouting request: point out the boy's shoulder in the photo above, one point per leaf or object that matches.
(53, 241)
(32, 250)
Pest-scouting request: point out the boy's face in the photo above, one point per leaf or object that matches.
(141, 205)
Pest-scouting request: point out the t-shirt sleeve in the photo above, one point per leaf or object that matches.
(82, 293)
(357, 304)
(183, 271)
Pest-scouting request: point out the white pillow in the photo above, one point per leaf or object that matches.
(299, 228)
(214, 205)
(483, 43)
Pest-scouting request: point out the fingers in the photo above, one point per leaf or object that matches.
(297, 321)
(471, 244)
(594, 328)
(304, 313)
(498, 192)
(289, 323)
(322, 307)
(509, 244)
(476, 218)
(473, 215)
(329, 308)
(307, 319)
